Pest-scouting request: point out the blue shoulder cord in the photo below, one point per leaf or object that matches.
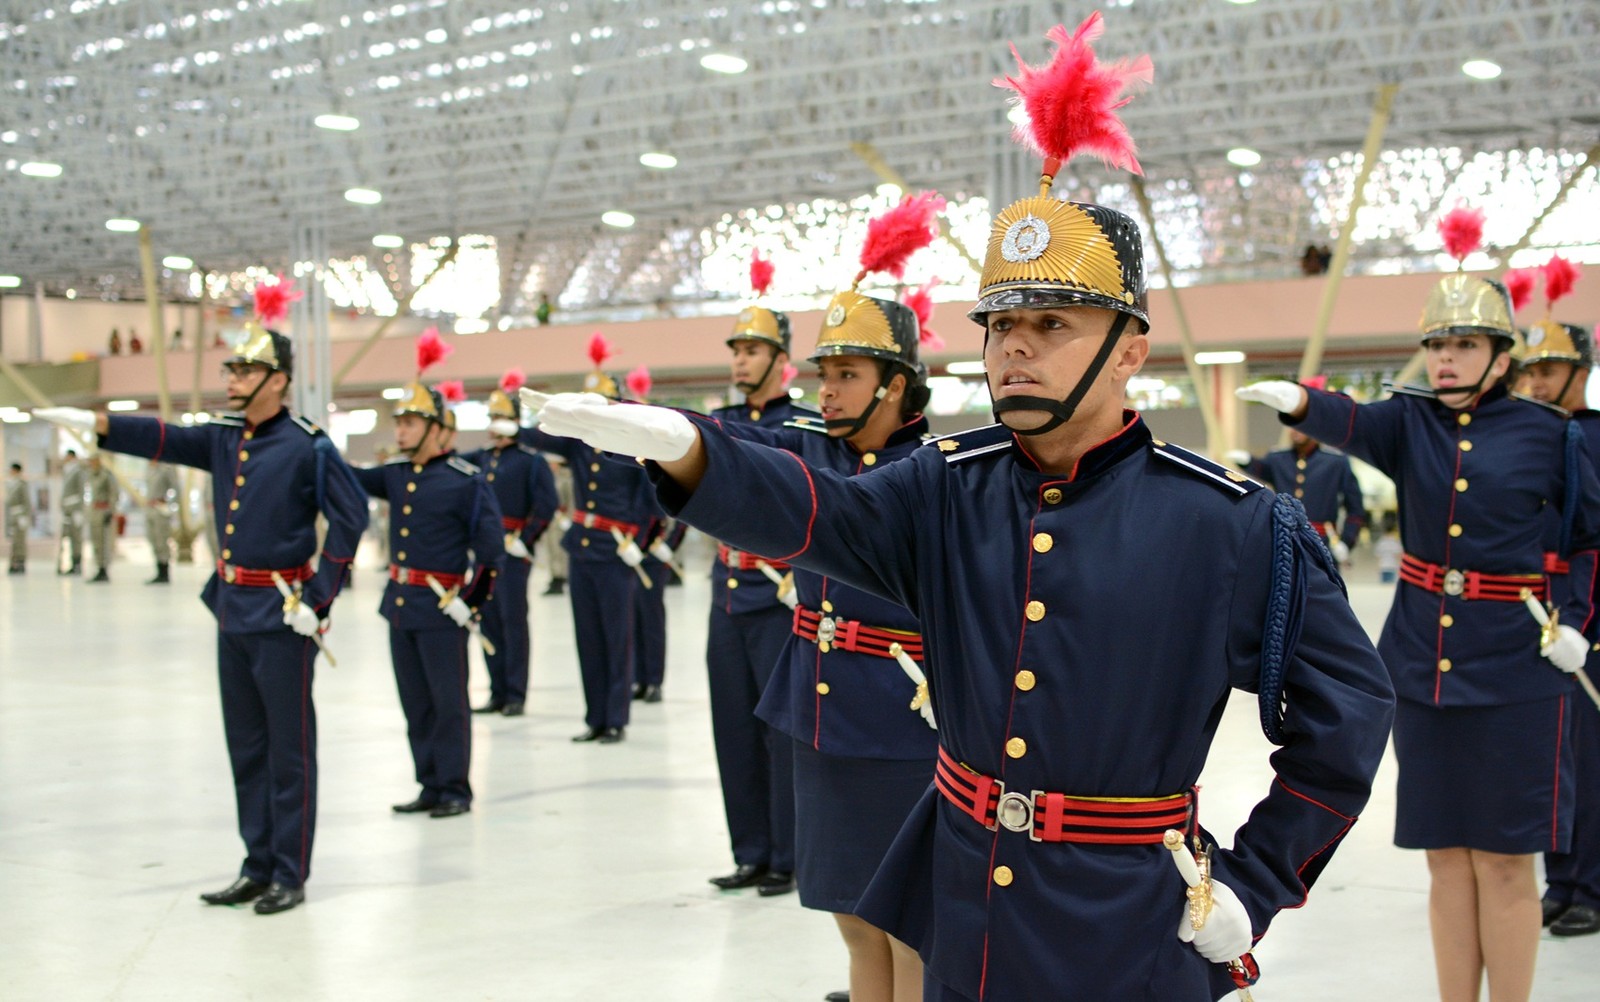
(1572, 443)
(1286, 604)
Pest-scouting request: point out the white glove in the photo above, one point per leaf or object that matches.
(75, 418)
(788, 594)
(656, 433)
(1341, 552)
(926, 709)
(661, 551)
(563, 522)
(1567, 650)
(1281, 395)
(302, 619)
(630, 553)
(517, 548)
(1226, 935)
(458, 612)
(504, 427)
(1238, 457)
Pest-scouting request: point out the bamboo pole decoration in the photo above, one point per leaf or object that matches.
(1197, 375)
(158, 340)
(377, 335)
(872, 158)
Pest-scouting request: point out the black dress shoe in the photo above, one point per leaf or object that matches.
(493, 706)
(1553, 909)
(279, 899)
(612, 735)
(590, 734)
(747, 875)
(776, 882)
(652, 694)
(836, 997)
(237, 893)
(558, 586)
(450, 808)
(511, 710)
(639, 690)
(1579, 920)
(416, 806)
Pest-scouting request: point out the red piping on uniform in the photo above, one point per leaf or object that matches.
(1110, 438)
(816, 736)
(1594, 568)
(305, 762)
(161, 446)
(1555, 799)
(1350, 427)
(1305, 892)
(1311, 800)
(812, 520)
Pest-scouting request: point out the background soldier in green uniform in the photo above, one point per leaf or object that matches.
(103, 497)
(74, 481)
(161, 494)
(19, 515)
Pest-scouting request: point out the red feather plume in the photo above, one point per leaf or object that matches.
(600, 350)
(272, 301)
(761, 270)
(789, 372)
(512, 381)
(1560, 275)
(431, 350)
(1072, 101)
(452, 390)
(921, 302)
(638, 382)
(899, 233)
(1519, 283)
(1462, 230)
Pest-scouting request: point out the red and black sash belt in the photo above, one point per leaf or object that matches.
(1057, 817)
(513, 524)
(1328, 529)
(1470, 585)
(412, 576)
(589, 520)
(1553, 564)
(849, 635)
(741, 561)
(250, 577)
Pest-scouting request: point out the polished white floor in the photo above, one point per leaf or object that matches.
(580, 874)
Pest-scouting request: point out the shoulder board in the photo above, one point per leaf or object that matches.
(1410, 390)
(394, 460)
(457, 463)
(1552, 408)
(1220, 476)
(306, 426)
(807, 424)
(960, 446)
(227, 420)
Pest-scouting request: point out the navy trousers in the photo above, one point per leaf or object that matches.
(505, 623)
(1574, 877)
(430, 670)
(602, 624)
(756, 762)
(271, 727)
(650, 626)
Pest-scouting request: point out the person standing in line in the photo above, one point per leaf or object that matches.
(19, 516)
(273, 474)
(659, 543)
(555, 554)
(104, 493)
(74, 485)
(161, 489)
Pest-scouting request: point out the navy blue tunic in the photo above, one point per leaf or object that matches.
(1322, 481)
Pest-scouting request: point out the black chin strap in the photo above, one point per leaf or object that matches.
(1572, 373)
(1494, 353)
(252, 397)
(411, 452)
(855, 424)
(749, 388)
(1061, 411)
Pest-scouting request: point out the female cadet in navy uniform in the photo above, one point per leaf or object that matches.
(1088, 598)
(1556, 368)
(525, 489)
(1482, 725)
(273, 473)
(748, 626)
(610, 501)
(444, 534)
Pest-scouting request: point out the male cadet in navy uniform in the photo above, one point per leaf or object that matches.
(273, 472)
(1089, 597)
(19, 516)
(611, 501)
(749, 626)
(650, 608)
(525, 489)
(446, 547)
(1555, 370)
(161, 496)
(74, 482)
(104, 493)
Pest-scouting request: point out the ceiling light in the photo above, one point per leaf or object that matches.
(1218, 357)
(394, 393)
(177, 261)
(362, 196)
(722, 62)
(122, 225)
(1018, 115)
(37, 169)
(965, 368)
(9, 281)
(122, 405)
(337, 123)
(621, 220)
(888, 190)
(1481, 69)
(1241, 2)
(8, 136)
(660, 161)
(1242, 156)
(390, 240)
(437, 35)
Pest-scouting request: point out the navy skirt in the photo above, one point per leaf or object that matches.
(1493, 778)
(847, 812)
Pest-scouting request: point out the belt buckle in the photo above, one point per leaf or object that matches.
(228, 573)
(827, 626)
(1014, 812)
(1455, 582)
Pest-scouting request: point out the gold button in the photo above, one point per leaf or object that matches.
(1463, 419)
(583, 542)
(1042, 542)
(1455, 529)
(405, 532)
(1466, 446)
(399, 600)
(416, 467)
(822, 687)
(1035, 611)
(1299, 492)
(491, 478)
(406, 510)
(243, 455)
(1461, 483)
(827, 606)
(1002, 876)
(1052, 496)
(824, 646)
(1300, 464)
(1016, 747)
(228, 529)
(238, 481)
(1299, 478)
(233, 505)
(593, 485)
(1025, 680)
(733, 582)
(1447, 621)
(411, 488)
(249, 435)
(1444, 664)
(755, 415)
(401, 556)
(227, 554)
(869, 459)
(589, 505)
(594, 467)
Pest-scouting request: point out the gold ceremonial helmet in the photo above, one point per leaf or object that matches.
(425, 403)
(862, 325)
(757, 323)
(262, 347)
(1467, 304)
(502, 406)
(1549, 341)
(1518, 350)
(600, 382)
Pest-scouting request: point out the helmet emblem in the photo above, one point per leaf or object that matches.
(1025, 239)
(836, 315)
